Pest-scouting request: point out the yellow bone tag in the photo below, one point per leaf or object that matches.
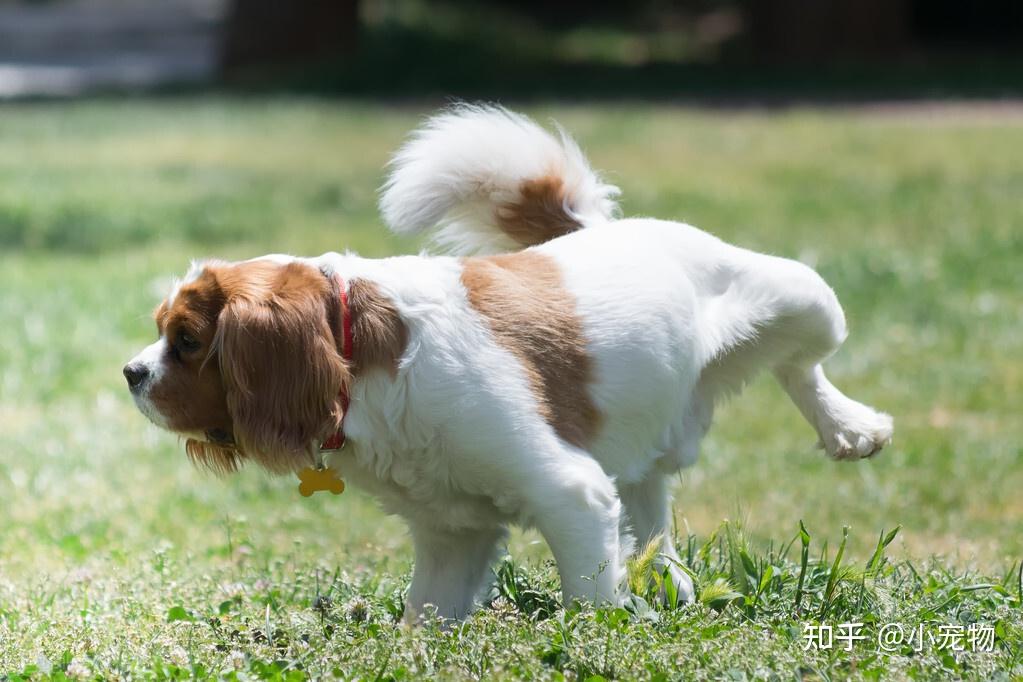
(314, 480)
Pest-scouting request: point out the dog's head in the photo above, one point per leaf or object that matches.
(247, 364)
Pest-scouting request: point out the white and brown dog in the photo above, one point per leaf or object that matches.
(557, 384)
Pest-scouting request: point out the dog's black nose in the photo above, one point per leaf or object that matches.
(135, 374)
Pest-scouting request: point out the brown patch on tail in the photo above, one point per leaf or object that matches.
(379, 336)
(532, 315)
(540, 213)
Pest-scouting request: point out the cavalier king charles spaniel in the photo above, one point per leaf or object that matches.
(553, 371)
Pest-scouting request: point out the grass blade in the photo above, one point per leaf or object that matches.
(877, 559)
(829, 591)
(1019, 586)
(804, 538)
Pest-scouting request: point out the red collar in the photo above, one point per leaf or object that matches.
(336, 441)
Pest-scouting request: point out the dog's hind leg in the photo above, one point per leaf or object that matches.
(779, 313)
(847, 429)
(816, 328)
(647, 508)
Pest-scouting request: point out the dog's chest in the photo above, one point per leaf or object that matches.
(418, 485)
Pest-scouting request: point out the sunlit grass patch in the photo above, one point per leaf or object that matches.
(757, 611)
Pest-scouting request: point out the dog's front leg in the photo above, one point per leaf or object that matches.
(576, 508)
(450, 569)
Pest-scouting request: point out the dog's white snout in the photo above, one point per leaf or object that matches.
(142, 372)
(146, 367)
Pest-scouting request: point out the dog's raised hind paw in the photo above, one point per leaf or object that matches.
(856, 432)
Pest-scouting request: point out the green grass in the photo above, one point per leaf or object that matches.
(118, 557)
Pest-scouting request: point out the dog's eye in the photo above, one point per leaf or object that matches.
(187, 343)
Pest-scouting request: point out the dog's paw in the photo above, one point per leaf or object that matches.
(855, 432)
(684, 591)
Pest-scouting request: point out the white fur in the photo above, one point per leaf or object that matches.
(463, 164)
(152, 358)
(675, 319)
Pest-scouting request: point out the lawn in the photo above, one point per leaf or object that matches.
(117, 559)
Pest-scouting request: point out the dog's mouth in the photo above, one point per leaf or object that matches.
(216, 436)
(149, 411)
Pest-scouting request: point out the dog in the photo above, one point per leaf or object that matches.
(553, 371)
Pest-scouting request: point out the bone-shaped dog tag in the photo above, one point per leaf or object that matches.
(313, 480)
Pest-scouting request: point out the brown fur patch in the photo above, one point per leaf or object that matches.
(378, 333)
(267, 371)
(219, 459)
(265, 377)
(533, 316)
(280, 363)
(540, 214)
(190, 394)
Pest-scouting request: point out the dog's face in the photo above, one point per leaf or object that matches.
(246, 365)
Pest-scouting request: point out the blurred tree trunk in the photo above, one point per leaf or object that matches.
(809, 30)
(269, 32)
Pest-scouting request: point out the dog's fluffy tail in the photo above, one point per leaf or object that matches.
(488, 180)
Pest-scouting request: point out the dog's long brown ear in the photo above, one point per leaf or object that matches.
(281, 368)
(219, 459)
